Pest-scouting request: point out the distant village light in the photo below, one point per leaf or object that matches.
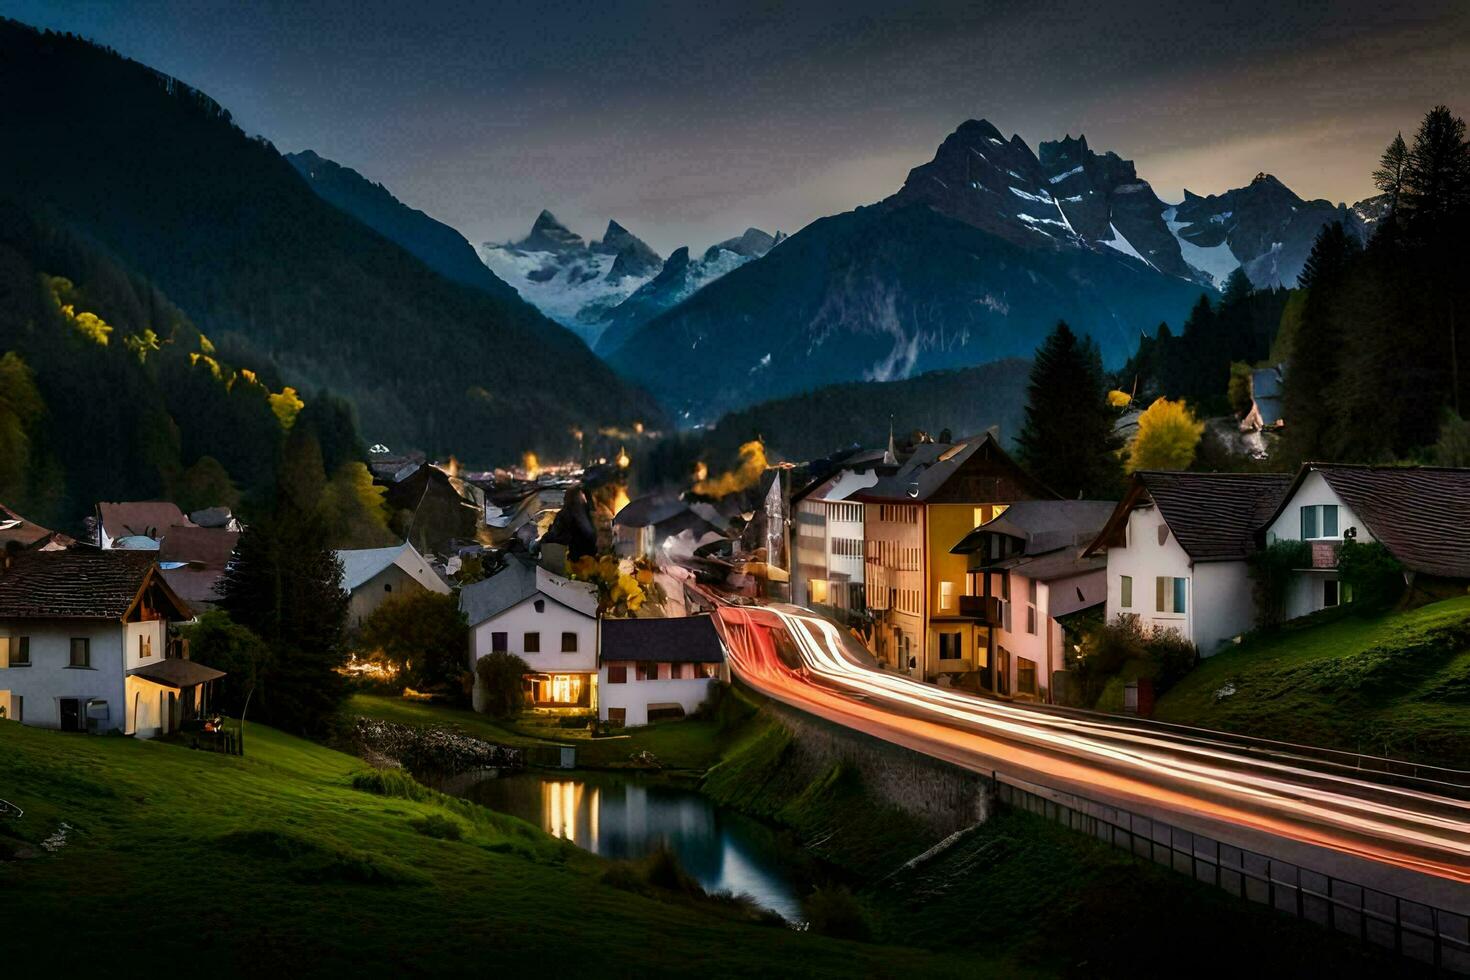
(701, 472)
(623, 459)
(531, 465)
(638, 427)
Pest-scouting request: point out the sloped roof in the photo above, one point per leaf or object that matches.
(1421, 514)
(520, 579)
(15, 528)
(1045, 525)
(177, 672)
(652, 509)
(1213, 516)
(360, 565)
(681, 639)
(146, 517)
(78, 583)
(210, 547)
(926, 475)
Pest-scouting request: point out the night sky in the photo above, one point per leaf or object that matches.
(690, 121)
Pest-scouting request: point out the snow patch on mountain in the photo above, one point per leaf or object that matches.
(574, 293)
(1217, 261)
(1123, 245)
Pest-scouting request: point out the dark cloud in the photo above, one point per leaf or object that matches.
(689, 121)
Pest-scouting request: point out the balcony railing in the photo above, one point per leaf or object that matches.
(985, 608)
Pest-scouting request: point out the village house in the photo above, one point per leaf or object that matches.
(17, 533)
(371, 575)
(1419, 514)
(827, 560)
(548, 621)
(193, 560)
(137, 524)
(914, 585)
(1028, 572)
(653, 669)
(645, 526)
(85, 644)
(1177, 547)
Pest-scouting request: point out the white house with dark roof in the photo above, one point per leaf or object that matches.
(654, 669)
(1421, 514)
(371, 575)
(85, 646)
(545, 619)
(1177, 547)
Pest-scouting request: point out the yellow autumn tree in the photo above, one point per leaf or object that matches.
(1168, 435)
(622, 588)
(1119, 399)
(287, 405)
(747, 474)
(89, 325)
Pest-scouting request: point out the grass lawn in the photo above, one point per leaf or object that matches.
(1396, 684)
(692, 744)
(275, 864)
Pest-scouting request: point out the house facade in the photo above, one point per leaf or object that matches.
(827, 559)
(1027, 564)
(548, 621)
(1177, 547)
(653, 669)
(930, 618)
(1419, 514)
(372, 575)
(85, 645)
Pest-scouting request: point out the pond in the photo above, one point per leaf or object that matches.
(628, 817)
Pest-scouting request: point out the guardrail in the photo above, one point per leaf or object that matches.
(1414, 930)
(1401, 771)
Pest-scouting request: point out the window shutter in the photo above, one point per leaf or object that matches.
(1159, 590)
(5, 642)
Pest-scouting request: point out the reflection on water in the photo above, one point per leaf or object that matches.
(628, 818)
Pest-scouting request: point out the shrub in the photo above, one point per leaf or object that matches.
(424, 635)
(1270, 571)
(1125, 647)
(1373, 574)
(834, 911)
(501, 677)
(440, 828)
(390, 782)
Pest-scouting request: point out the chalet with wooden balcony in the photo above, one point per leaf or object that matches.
(915, 585)
(1026, 572)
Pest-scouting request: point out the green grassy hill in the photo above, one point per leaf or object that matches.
(275, 864)
(1396, 685)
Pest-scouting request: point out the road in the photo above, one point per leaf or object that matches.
(1409, 837)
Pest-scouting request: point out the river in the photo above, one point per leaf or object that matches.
(620, 816)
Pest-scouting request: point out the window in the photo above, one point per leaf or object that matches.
(145, 645)
(569, 643)
(1031, 595)
(617, 716)
(499, 642)
(1171, 595)
(1025, 676)
(387, 586)
(1319, 521)
(81, 652)
(533, 643)
(646, 671)
(20, 650)
(1031, 620)
(540, 605)
(1331, 593)
(949, 646)
(946, 595)
(617, 673)
(1125, 592)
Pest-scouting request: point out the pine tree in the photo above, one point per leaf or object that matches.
(1313, 367)
(1389, 177)
(1068, 442)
